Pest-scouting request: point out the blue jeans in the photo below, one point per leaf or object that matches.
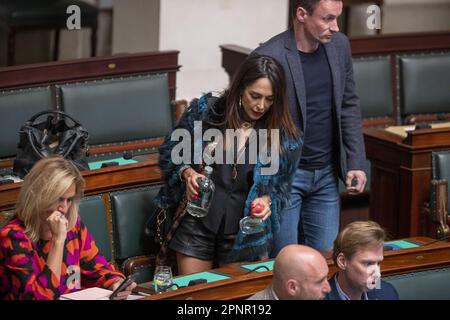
(313, 210)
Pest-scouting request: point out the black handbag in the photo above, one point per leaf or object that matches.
(50, 136)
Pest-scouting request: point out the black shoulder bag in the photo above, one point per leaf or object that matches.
(52, 136)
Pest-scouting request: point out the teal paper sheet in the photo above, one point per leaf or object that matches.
(121, 161)
(209, 276)
(268, 264)
(401, 244)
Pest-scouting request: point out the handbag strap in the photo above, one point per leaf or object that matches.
(39, 114)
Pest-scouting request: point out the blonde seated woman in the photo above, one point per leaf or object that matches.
(45, 250)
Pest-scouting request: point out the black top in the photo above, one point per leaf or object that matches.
(230, 194)
(318, 136)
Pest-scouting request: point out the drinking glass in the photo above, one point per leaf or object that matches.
(162, 280)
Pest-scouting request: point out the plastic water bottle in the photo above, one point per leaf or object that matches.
(200, 207)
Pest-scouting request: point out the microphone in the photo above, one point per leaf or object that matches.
(423, 125)
(127, 155)
(197, 281)
(434, 241)
(257, 268)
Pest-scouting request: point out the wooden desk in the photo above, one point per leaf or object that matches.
(243, 284)
(145, 172)
(401, 174)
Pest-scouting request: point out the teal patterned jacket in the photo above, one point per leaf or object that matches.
(246, 247)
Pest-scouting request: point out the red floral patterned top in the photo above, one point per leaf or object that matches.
(24, 273)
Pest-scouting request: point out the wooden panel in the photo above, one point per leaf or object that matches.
(401, 174)
(399, 43)
(92, 68)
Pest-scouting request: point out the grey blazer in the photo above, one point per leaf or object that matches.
(266, 294)
(283, 48)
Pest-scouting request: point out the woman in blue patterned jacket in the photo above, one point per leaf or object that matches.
(255, 100)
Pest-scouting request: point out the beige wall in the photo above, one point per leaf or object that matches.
(197, 27)
(405, 16)
(136, 25)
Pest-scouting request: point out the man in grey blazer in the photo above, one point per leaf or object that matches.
(321, 91)
(299, 273)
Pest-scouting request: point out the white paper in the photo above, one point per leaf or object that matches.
(88, 294)
(94, 294)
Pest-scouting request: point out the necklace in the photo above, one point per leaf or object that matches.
(247, 125)
(234, 165)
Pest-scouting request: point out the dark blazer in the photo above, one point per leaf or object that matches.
(386, 292)
(283, 48)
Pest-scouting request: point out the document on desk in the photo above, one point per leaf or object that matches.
(93, 294)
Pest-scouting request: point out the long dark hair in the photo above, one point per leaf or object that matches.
(252, 69)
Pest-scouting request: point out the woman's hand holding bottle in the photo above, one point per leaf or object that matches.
(190, 176)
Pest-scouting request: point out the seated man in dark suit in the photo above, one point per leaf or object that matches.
(358, 252)
(299, 273)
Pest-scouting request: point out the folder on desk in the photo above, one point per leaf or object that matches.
(260, 266)
(401, 244)
(209, 276)
(121, 161)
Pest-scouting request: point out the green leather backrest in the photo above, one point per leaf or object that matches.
(423, 285)
(130, 210)
(120, 110)
(441, 167)
(93, 214)
(373, 86)
(424, 84)
(16, 107)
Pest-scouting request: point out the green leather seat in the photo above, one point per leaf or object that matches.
(43, 14)
(120, 110)
(93, 214)
(423, 285)
(373, 86)
(441, 167)
(16, 107)
(130, 209)
(424, 84)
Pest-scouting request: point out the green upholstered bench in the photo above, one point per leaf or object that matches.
(116, 220)
(93, 213)
(16, 107)
(121, 109)
(441, 172)
(422, 285)
(373, 85)
(424, 87)
(133, 249)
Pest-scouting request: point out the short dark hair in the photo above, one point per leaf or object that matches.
(308, 5)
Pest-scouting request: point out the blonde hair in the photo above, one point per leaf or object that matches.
(42, 187)
(357, 235)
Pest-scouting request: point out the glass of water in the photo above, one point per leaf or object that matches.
(162, 280)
